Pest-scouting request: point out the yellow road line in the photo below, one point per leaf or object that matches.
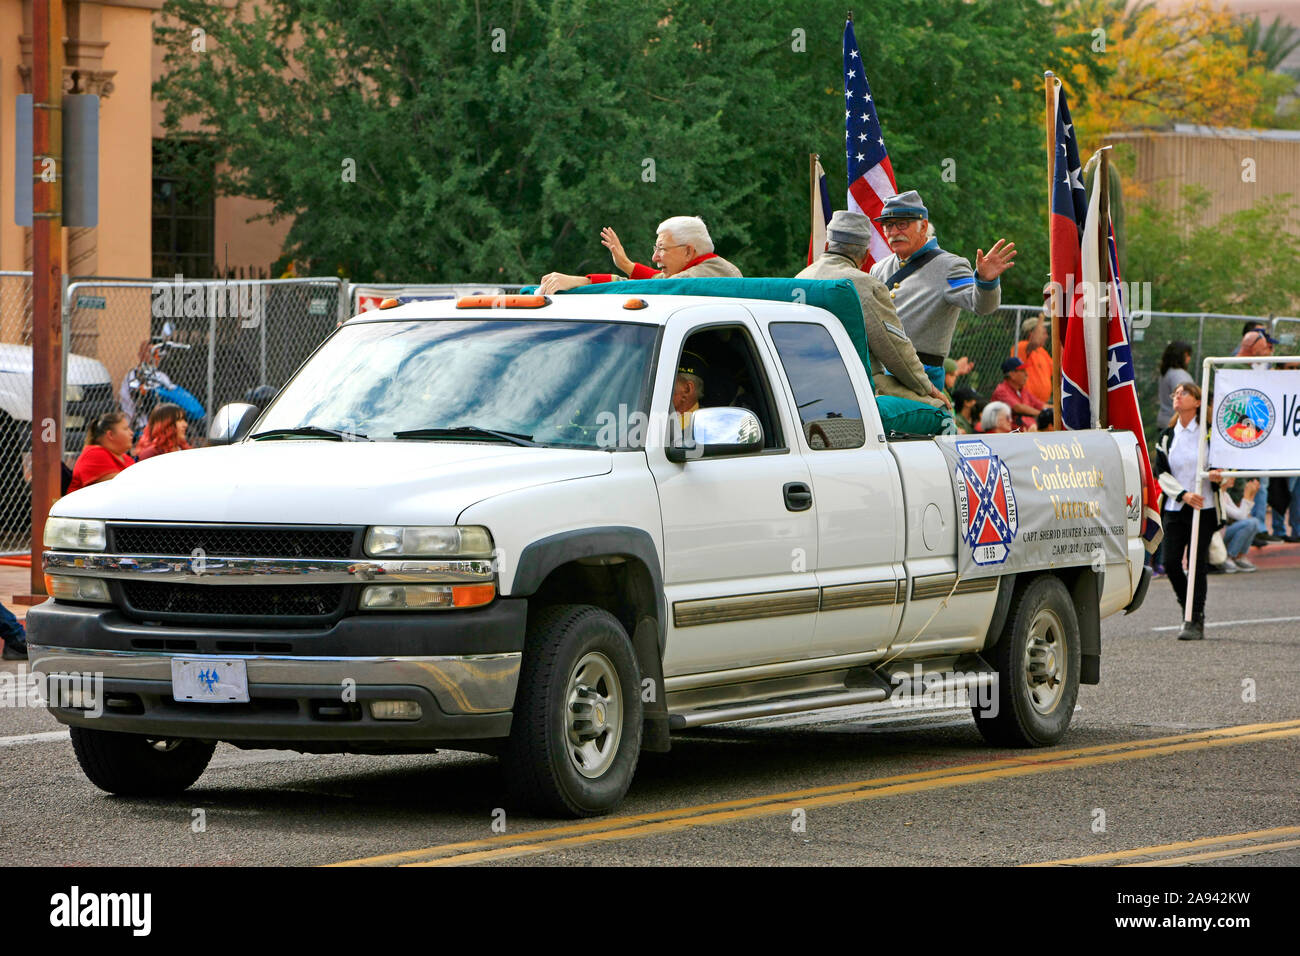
(1220, 854)
(646, 824)
(838, 799)
(1172, 847)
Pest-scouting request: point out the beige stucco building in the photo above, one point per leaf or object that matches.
(110, 51)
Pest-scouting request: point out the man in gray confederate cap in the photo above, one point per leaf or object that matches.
(848, 236)
(929, 286)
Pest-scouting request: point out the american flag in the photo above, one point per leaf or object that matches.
(871, 177)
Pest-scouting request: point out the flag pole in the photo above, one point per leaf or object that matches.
(1103, 243)
(812, 203)
(1049, 82)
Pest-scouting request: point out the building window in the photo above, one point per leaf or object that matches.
(183, 196)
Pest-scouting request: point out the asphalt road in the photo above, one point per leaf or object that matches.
(1186, 753)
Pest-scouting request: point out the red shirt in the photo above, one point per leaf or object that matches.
(96, 462)
(1005, 393)
(645, 272)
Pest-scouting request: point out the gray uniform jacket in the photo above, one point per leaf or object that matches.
(930, 299)
(886, 340)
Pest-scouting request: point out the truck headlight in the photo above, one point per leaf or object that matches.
(74, 534)
(470, 541)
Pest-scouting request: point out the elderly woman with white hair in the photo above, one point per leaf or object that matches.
(996, 417)
(683, 250)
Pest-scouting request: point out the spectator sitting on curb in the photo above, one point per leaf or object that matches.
(164, 433)
(964, 412)
(1024, 403)
(996, 418)
(107, 441)
(14, 636)
(1238, 535)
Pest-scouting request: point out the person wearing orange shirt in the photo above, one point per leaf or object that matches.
(1032, 350)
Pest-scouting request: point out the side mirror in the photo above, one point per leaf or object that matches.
(232, 423)
(715, 433)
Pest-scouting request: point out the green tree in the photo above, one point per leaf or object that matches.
(491, 140)
(1245, 263)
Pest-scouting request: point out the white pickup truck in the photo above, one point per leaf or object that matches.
(477, 525)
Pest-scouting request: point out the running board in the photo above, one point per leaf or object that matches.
(781, 705)
(938, 686)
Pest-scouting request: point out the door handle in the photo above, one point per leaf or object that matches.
(798, 496)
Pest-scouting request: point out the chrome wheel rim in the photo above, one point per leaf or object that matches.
(595, 715)
(1046, 662)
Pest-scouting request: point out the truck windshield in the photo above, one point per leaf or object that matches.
(547, 383)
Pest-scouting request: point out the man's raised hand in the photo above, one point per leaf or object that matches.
(609, 239)
(998, 261)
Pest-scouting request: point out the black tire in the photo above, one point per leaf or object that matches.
(133, 765)
(1035, 702)
(542, 758)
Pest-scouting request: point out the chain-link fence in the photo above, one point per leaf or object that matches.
(198, 343)
(988, 339)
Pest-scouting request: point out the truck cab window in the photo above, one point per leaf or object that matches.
(733, 376)
(828, 408)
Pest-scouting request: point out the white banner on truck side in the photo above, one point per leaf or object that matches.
(1256, 424)
(1037, 501)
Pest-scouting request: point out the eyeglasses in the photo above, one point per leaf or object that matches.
(897, 225)
(659, 250)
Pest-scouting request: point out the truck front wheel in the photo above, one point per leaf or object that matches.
(133, 765)
(1037, 661)
(576, 733)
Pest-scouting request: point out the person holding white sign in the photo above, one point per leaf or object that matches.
(1175, 465)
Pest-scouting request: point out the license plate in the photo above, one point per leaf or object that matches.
(213, 681)
(74, 421)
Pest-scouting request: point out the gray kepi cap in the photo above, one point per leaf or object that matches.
(852, 228)
(906, 205)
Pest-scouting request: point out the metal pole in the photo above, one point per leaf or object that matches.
(1049, 81)
(1196, 518)
(47, 271)
(1101, 401)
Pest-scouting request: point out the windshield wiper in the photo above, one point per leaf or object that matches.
(513, 437)
(311, 431)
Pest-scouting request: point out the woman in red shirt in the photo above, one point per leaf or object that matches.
(105, 453)
(164, 433)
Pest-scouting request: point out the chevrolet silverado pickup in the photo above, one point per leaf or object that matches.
(484, 525)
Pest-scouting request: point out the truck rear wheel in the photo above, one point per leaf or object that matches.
(576, 733)
(1037, 661)
(133, 765)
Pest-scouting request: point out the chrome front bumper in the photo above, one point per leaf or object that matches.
(462, 697)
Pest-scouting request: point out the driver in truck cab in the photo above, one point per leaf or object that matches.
(688, 389)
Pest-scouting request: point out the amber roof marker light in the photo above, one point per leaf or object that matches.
(503, 301)
(635, 304)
